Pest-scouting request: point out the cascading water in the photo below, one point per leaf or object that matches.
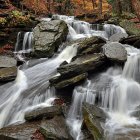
(23, 45)
(80, 29)
(118, 93)
(31, 88)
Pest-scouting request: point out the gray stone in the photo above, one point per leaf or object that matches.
(82, 64)
(61, 82)
(117, 37)
(40, 113)
(115, 51)
(48, 35)
(7, 61)
(94, 117)
(55, 129)
(8, 74)
(21, 131)
(76, 71)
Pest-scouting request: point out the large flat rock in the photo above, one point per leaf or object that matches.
(7, 61)
(76, 71)
(20, 132)
(40, 113)
(55, 129)
(8, 74)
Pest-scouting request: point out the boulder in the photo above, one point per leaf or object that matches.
(7, 61)
(8, 74)
(90, 45)
(40, 113)
(48, 35)
(76, 71)
(82, 64)
(131, 40)
(61, 82)
(55, 129)
(117, 37)
(115, 51)
(94, 117)
(21, 131)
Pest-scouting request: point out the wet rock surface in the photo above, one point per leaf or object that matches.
(90, 45)
(20, 132)
(59, 81)
(55, 129)
(93, 117)
(77, 70)
(48, 36)
(8, 74)
(40, 113)
(115, 51)
(131, 40)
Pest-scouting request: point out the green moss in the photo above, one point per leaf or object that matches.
(130, 27)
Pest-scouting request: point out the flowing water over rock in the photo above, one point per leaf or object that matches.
(80, 29)
(118, 93)
(31, 88)
(117, 90)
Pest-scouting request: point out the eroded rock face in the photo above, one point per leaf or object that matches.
(8, 74)
(55, 129)
(90, 45)
(59, 81)
(40, 113)
(115, 51)
(48, 36)
(93, 117)
(76, 71)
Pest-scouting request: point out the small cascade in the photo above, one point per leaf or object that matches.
(24, 44)
(16, 100)
(81, 94)
(118, 93)
(80, 29)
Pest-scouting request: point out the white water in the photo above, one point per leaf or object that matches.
(80, 29)
(23, 45)
(31, 88)
(118, 92)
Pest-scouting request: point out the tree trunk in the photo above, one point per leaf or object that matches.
(119, 7)
(94, 4)
(100, 8)
(136, 7)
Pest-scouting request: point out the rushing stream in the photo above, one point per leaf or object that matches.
(117, 89)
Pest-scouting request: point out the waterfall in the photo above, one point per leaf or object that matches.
(81, 29)
(118, 93)
(80, 94)
(23, 45)
(118, 90)
(16, 100)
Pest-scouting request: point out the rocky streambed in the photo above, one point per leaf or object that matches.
(39, 104)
